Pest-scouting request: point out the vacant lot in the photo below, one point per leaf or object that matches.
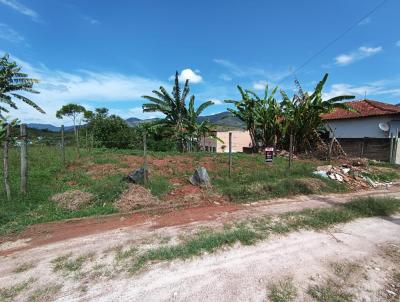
(97, 180)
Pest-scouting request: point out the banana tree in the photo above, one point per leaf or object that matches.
(268, 116)
(173, 107)
(245, 110)
(302, 114)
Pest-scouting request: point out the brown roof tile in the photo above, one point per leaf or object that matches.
(363, 108)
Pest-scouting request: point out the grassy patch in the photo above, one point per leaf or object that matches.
(46, 178)
(45, 293)
(68, 264)
(23, 267)
(158, 185)
(251, 231)
(204, 242)
(125, 254)
(282, 291)
(254, 180)
(329, 292)
(9, 293)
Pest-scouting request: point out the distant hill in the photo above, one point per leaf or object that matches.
(224, 119)
(49, 127)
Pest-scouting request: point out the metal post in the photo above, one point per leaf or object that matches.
(5, 162)
(24, 159)
(62, 145)
(230, 154)
(145, 157)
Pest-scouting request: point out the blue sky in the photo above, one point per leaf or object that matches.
(109, 54)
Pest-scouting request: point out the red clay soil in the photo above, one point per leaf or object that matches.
(46, 233)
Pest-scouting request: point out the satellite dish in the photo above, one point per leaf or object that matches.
(384, 127)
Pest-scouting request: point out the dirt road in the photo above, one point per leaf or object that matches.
(97, 269)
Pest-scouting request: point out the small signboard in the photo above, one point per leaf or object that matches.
(269, 154)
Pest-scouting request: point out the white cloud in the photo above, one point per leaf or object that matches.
(386, 87)
(249, 71)
(361, 53)
(259, 85)
(136, 112)
(225, 77)
(15, 5)
(9, 34)
(217, 101)
(398, 43)
(58, 88)
(91, 20)
(365, 21)
(188, 74)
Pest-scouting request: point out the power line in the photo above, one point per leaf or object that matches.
(350, 28)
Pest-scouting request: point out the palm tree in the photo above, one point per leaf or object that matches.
(302, 113)
(194, 128)
(173, 107)
(12, 82)
(245, 110)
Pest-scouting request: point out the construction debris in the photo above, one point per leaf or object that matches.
(355, 175)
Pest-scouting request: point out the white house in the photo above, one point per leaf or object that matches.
(368, 119)
(366, 130)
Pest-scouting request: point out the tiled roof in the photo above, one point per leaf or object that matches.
(363, 108)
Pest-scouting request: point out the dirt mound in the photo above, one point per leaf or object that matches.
(136, 197)
(313, 185)
(73, 199)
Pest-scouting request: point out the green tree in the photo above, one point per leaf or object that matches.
(268, 117)
(302, 114)
(245, 110)
(195, 129)
(177, 118)
(76, 113)
(12, 83)
(109, 131)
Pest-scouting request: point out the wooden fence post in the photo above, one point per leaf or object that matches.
(230, 154)
(290, 150)
(146, 175)
(24, 159)
(5, 162)
(62, 145)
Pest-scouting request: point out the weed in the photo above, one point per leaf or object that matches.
(204, 242)
(125, 254)
(67, 264)
(23, 267)
(9, 293)
(158, 185)
(282, 291)
(329, 292)
(45, 293)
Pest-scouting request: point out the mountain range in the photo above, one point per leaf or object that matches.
(223, 120)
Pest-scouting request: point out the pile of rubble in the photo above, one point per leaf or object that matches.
(355, 176)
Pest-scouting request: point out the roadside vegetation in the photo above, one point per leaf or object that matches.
(249, 232)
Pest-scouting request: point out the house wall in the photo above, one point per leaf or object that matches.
(240, 139)
(359, 128)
